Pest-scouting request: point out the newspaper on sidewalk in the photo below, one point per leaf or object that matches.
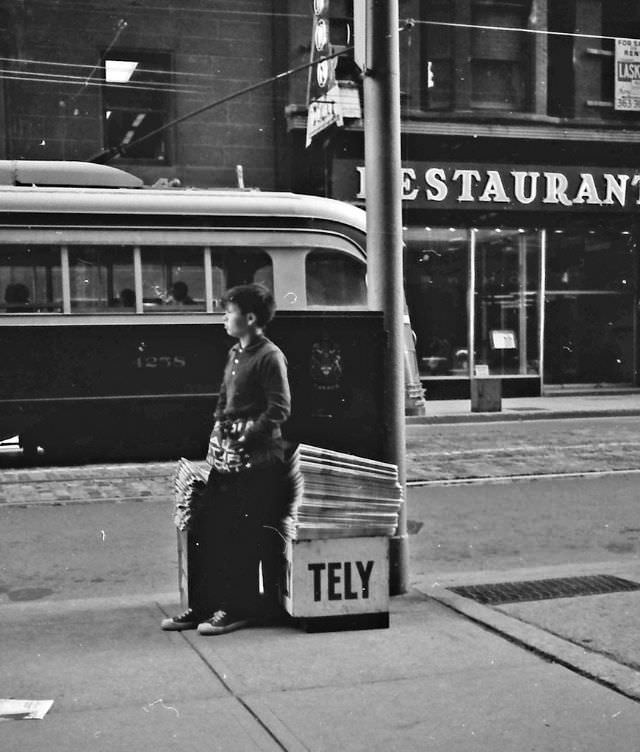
(24, 710)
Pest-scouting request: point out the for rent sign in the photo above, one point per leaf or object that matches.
(476, 186)
(627, 74)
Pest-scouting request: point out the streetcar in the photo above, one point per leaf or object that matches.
(111, 316)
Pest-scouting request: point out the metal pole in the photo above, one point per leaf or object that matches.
(384, 239)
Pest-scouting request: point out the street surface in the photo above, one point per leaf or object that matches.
(105, 548)
(89, 568)
(102, 548)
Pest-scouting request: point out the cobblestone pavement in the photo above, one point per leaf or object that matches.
(435, 453)
(478, 450)
(67, 485)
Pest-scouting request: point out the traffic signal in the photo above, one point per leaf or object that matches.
(322, 74)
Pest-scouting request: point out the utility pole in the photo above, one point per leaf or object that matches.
(384, 240)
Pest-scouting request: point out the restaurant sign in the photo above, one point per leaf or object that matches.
(480, 186)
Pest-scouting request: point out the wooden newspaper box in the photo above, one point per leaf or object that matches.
(337, 583)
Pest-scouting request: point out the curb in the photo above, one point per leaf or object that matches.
(540, 414)
(589, 664)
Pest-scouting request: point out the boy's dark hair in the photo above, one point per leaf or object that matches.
(254, 298)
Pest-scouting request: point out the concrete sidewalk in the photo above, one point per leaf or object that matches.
(435, 680)
(534, 408)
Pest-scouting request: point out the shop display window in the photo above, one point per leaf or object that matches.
(590, 303)
(507, 301)
(436, 284)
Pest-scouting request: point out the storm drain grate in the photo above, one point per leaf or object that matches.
(538, 590)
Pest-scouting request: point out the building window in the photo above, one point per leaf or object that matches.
(620, 18)
(499, 59)
(476, 65)
(136, 100)
(438, 45)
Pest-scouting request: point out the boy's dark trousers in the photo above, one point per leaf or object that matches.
(239, 528)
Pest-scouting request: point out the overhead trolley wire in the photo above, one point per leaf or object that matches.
(485, 27)
(102, 8)
(106, 155)
(33, 61)
(51, 78)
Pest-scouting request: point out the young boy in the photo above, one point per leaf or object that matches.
(245, 497)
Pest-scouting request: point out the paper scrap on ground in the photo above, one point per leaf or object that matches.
(24, 710)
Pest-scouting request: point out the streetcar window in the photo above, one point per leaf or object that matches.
(101, 279)
(173, 279)
(30, 279)
(239, 266)
(334, 279)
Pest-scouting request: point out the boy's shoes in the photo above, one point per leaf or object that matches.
(187, 620)
(222, 622)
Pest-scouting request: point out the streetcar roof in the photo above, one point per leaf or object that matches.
(85, 198)
(43, 172)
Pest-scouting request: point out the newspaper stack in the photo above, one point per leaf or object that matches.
(189, 483)
(336, 495)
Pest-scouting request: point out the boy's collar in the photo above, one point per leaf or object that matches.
(256, 342)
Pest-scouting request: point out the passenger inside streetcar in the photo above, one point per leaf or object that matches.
(16, 297)
(127, 298)
(180, 294)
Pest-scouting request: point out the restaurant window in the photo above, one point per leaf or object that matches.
(590, 303)
(30, 279)
(474, 64)
(436, 285)
(507, 301)
(136, 100)
(101, 279)
(334, 279)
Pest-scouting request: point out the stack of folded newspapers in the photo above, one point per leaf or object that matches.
(189, 482)
(337, 495)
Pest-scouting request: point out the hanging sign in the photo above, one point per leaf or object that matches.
(323, 112)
